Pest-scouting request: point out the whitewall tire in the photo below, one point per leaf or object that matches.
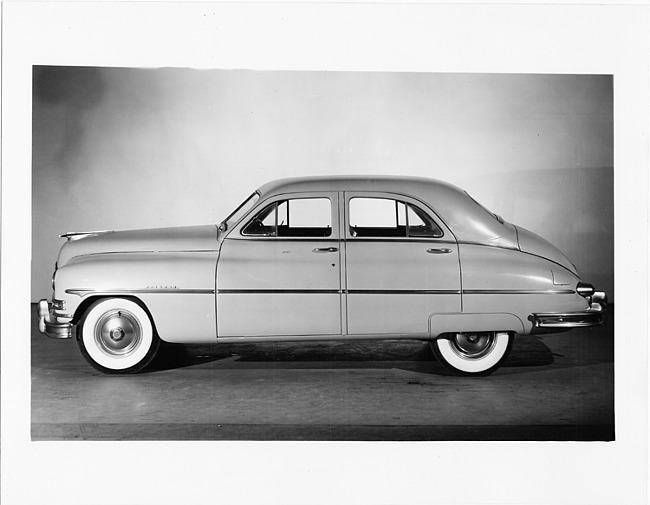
(116, 336)
(478, 353)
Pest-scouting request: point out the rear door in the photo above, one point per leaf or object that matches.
(401, 265)
(279, 273)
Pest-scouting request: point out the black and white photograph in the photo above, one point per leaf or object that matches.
(350, 273)
(259, 242)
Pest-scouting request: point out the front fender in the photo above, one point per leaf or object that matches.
(178, 288)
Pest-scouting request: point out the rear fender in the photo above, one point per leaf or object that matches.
(463, 322)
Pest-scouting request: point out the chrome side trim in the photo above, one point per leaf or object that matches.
(518, 292)
(336, 291)
(403, 291)
(85, 291)
(277, 291)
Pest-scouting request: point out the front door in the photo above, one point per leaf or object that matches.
(279, 272)
(401, 265)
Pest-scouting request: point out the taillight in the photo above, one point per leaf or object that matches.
(584, 289)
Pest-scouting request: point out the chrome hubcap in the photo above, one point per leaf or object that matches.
(118, 332)
(473, 345)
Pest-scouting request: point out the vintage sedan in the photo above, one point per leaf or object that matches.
(316, 259)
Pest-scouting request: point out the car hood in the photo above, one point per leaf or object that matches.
(187, 238)
(532, 243)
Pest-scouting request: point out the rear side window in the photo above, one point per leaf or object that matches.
(300, 217)
(385, 217)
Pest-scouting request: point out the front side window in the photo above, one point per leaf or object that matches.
(299, 217)
(385, 217)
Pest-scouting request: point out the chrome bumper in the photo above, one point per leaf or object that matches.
(594, 316)
(49, 324)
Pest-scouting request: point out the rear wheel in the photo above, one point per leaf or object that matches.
(478, 353)
(116, 336)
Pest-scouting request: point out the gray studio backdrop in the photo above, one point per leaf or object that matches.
(117, 148)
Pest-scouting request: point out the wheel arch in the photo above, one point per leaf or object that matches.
(440, 324)
(87, 302)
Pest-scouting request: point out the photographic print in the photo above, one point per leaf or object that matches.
(348, 253)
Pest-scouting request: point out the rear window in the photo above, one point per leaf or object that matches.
(385, 217)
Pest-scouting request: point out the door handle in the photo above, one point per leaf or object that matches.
(325, 249)
(443, 250)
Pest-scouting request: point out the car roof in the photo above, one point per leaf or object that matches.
(411, 185)
(467, 220)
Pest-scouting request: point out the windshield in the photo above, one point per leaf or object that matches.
(240, 211)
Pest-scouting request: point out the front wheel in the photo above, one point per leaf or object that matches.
(472, 353)
(116, 336)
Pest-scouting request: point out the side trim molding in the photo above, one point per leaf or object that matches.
(85, 291)
(278, 291)
(336, 291)
(165, 291)
(403, 291)
(518, 291)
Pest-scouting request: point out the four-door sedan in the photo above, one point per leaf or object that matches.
(317, 259)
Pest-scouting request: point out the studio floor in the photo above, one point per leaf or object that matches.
(555, 387)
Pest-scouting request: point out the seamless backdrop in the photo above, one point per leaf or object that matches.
(120, 148)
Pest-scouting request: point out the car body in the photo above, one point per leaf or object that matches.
(320, 258)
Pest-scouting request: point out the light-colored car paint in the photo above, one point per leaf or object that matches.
(204, 285)
(154, 273)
